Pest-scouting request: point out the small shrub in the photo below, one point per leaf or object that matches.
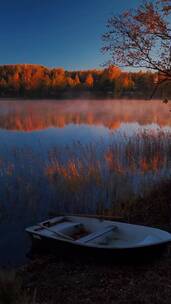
(11, 291)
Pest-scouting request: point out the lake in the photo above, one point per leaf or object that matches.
(75, 156)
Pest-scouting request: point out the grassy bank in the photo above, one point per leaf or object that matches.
(48, 280)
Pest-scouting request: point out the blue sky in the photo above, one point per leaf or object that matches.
(63, 33)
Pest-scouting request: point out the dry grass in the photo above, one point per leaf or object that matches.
(75, 282)
(135, 165)
(84, 178)
(11, 289)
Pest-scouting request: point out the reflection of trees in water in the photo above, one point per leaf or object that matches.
(80, 178)
(40, 115)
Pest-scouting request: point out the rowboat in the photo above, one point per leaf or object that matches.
(98, 236)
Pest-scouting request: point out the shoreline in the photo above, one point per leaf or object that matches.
(80, 97)
(46, 280)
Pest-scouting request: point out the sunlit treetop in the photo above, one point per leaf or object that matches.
(141, 38)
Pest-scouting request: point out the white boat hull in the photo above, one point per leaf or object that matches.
(100, 237)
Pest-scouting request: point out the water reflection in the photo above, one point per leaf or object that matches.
(31, 116)
(76, 156)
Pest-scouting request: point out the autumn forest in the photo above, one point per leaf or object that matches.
(35, 81)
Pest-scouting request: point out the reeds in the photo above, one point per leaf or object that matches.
(84, 177)
(135, 165)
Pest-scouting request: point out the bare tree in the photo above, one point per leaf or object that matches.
(141, 38)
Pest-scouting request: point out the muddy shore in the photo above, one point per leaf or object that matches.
(55, 281)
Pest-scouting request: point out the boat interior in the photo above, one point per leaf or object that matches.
(97, 232)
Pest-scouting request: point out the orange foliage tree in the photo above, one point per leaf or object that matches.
(141, 37)
(89, 81)
(28, 80)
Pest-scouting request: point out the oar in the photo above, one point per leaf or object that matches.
(57, 233)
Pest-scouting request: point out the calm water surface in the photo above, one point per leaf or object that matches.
(75, 156)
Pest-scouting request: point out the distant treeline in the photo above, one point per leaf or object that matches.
(35, 81)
